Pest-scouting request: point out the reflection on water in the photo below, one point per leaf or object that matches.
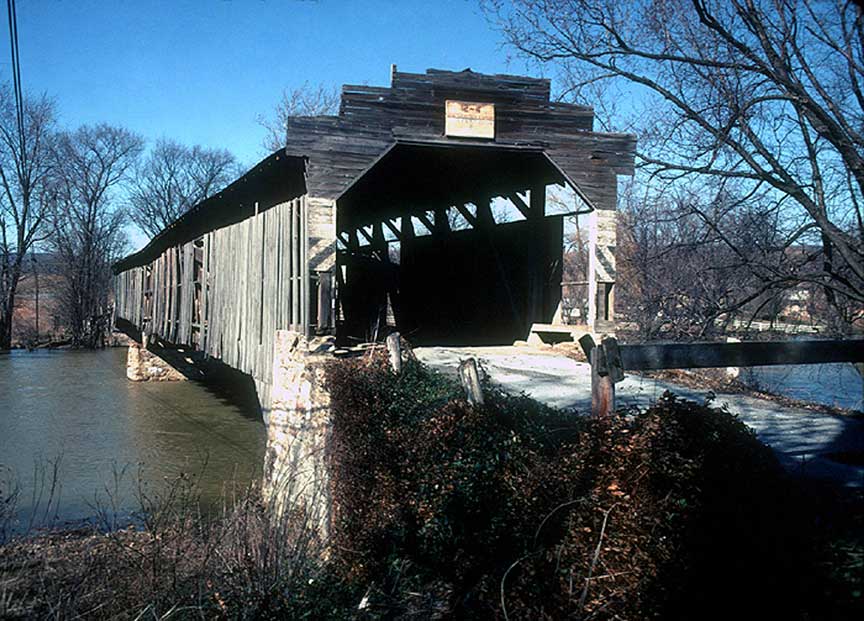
(837, 385)
(79, 407)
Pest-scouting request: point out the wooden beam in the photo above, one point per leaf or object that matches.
(352, 243)
(407, 226)
(520, 204)
(379, 244)
(484, 212)
(536, 267)
(393, 229)
(363, 232)
(466, 214)
(426, 222)
(442, 224)
(538, 201)
(707, 355)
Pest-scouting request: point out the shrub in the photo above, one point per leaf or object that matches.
(445, 510)
(515, 510)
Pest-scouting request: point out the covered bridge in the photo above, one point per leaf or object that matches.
(384, 216)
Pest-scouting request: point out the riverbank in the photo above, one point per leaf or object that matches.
(510, 510)
(179, 563)
(115, 339)
(719, 381)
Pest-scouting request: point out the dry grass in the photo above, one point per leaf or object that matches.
(175, 563)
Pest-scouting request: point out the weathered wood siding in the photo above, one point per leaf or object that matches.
(227, 292)
(260, 256)
(372, 119)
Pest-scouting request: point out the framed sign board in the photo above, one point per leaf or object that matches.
(468, 119)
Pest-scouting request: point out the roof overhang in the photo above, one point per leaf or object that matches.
(277, 178)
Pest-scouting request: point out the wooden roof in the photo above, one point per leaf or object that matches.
(372, 119)
(326, 156)
(276, 179)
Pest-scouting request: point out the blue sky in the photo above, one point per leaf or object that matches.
(201, 71)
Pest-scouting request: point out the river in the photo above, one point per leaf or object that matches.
(77, 409)
(836, 385)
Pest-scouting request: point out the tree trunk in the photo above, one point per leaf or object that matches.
(9, 309)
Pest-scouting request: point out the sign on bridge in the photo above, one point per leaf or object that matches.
(465, 119)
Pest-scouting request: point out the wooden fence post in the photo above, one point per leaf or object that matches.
(470, 380)
(394, 348)
(614, 366)
(602, 386)
(606, 370)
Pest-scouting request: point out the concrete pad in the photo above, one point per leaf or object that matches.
(801, 438)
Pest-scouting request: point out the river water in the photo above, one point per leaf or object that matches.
(77, 409)
(837, 385)
(112, 438)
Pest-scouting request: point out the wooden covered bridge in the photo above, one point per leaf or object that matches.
(385, 216)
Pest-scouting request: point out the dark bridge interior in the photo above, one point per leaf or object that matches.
(466, 279)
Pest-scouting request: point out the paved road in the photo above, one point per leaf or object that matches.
(801, 438)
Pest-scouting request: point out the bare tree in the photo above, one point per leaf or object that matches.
(306, 100)
(678, 278)
(762, 96)
(24, 168)
(90, 165)
(173, 179)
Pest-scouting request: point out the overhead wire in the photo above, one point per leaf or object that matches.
(16, 75)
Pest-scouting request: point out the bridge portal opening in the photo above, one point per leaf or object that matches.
(452, 244)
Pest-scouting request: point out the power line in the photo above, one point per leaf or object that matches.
(16, 71)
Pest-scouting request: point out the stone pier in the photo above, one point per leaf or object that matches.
(146, 362)
(298, 429)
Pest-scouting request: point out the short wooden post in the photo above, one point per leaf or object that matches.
(602, 386)
(394, 348)
(325, 300)
(470, 380)
(614, 366)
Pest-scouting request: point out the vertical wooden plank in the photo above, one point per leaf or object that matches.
(205, 292)
(286, 267)
(305, 266)
(295, 289)
(172, 287)
(537, 267)
(191, 292)
(278, 300)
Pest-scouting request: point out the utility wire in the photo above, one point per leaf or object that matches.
(16, 73)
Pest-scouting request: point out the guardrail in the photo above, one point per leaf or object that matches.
(609, 360)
